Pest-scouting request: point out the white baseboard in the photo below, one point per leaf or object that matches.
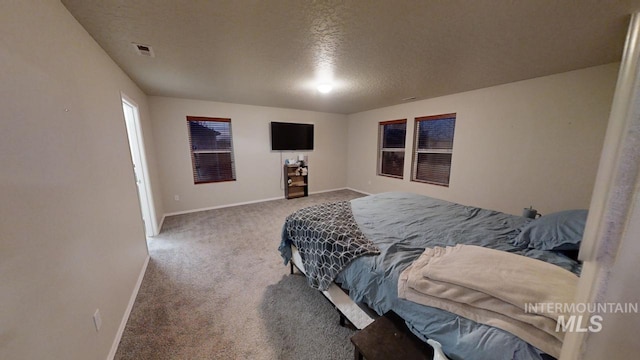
(221, 206)
(325, 191)
(125, 317)
(360, 191)
(244, 203)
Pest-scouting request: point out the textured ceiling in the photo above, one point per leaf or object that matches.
(377, 53)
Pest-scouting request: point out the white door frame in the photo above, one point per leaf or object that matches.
(139, 163)
(606, 235)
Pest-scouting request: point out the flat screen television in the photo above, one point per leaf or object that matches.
(291, 136)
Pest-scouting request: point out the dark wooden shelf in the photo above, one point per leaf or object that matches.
(299, 186)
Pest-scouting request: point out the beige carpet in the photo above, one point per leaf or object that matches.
(216, 288)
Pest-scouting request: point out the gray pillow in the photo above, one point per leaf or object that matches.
(557, 231)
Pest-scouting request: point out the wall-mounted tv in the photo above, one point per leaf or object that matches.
(291, 136)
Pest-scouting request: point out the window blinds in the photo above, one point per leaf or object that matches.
(391, 145)
(433, 148)
(211, 149)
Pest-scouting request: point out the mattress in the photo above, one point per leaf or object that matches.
(402, 225)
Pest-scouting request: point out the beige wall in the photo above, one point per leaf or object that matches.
(535, 142)
(71, 238)
(258, 169)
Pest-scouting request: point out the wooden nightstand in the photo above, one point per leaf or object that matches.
(389, 338)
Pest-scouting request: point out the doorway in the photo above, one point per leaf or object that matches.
(138, 159)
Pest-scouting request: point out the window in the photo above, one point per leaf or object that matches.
(211, 149)
(433, 147)
(391, 139)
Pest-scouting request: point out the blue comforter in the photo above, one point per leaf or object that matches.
(402, 225)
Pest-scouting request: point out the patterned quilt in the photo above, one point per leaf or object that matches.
(327, 238)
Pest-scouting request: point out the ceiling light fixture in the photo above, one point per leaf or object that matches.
(325, 87)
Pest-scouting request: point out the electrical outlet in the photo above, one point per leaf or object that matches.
(176, 197)
(97, 320)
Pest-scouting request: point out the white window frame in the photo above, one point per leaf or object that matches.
(417, 150)
(193, 151)
(382, 150)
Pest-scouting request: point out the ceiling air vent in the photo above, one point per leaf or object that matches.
(144, 50)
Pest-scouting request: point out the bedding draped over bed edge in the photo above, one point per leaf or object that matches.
(492, 287)
(328, 239)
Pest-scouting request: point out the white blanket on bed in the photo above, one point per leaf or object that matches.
(492, 287)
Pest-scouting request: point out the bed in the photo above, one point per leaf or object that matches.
(402, 226)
